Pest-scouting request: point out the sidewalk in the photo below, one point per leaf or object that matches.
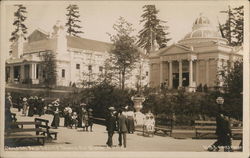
(78, 140)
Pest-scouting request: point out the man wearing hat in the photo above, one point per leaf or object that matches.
(122, 128)
(110, 125)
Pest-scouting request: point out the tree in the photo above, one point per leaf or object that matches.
(233, 88)
(49, 69)
(21, 29)
(72, 20)
(153, 30)
(124, 54)
(233, 79)
(232, 30)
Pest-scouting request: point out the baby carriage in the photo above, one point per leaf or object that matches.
(149, 125)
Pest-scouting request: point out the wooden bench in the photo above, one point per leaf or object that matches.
(44, 127)
(203, 128)
(165, 125)
(23, 133)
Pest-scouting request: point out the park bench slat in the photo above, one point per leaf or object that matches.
(23, 136)
(204, 122)
(25, 123)
(23, 130)
(205, 127)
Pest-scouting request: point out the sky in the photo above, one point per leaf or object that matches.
(97, 18)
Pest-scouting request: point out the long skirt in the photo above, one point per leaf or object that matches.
(56, 121)
(130, 124)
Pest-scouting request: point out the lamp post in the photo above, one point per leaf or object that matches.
(220, 101)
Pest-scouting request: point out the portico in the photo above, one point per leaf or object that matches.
(195, 60)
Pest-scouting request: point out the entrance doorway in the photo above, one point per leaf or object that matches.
(17, 73)
(185, 80)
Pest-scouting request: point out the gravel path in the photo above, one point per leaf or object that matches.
(79, 140)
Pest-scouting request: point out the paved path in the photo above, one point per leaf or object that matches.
(77, 139)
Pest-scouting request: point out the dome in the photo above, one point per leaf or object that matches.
(202, 20)
(202, 28)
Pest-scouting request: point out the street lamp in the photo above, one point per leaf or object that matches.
(220, 100)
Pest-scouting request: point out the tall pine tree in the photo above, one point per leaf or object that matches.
(73, 20)
(232, 30)
(153, 31)
(124, 52)
(20, 29)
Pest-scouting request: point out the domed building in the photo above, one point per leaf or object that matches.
(195, 60)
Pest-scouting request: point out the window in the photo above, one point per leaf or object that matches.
(77, 66)
(100, 68)
(63, 73)
(146, 73)
(90, 68)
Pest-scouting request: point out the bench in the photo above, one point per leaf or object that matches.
(203, 128)
(44, 127)
(21, 133)
(165, 125)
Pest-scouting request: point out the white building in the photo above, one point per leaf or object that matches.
(194, 60)
(77, 59)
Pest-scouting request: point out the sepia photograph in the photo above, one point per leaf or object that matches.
(122, 77)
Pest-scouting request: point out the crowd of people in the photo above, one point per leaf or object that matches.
(77, 117)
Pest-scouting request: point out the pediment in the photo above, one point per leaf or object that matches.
(175, 49)
(37, 35)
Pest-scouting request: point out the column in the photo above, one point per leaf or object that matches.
(11, 73)
(197, 73)
(170, 75)
(207, 72)
(180, 73)
(161, 72)
(22, 73)
(190, 73)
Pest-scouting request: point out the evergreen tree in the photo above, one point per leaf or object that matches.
(124, 53)
(232, 30)
(49, 69)
(73, 20)
(20, 29)
(153, 31)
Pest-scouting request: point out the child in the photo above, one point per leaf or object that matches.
(74, 120)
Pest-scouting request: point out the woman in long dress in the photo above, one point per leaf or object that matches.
(56, 120)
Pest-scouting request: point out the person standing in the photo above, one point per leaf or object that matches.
(110, 126)
(31, 107)
(130, 120)
(8, 105)
(25, 106)
(122, 128)
(80, 114)
(56, 119)
(223, 133)
(85, 120)
(90, 119)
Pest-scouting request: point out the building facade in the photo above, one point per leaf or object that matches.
(195, 60)
(77, 59)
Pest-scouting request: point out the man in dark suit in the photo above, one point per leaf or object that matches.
(122, 128)
(223, 132)
(110, 126)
